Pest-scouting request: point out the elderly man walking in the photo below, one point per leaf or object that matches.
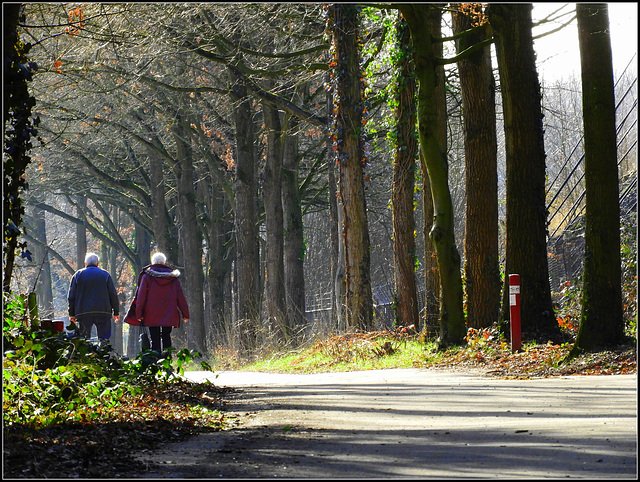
(93, 299)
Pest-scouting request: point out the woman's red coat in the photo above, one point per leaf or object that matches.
(161, 301)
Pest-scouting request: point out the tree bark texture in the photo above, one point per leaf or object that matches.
(143, 249)
(44, 287)
(404, 168)
(348, 109)
(191, 237)
(337, 243)
(431, 273)
(17, 132)
(482, 270)
(165, 242)
(110, 257)
(246, 222)
(218, 262)
(526, 217)
(294, 247)
(274, 248)
(337, 251)
(431, 259)
(452, 323)
(601, 322)
(81, 232)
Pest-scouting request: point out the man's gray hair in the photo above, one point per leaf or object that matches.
(91, 259)
(158, 258)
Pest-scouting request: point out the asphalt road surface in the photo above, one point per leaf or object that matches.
(413, 423)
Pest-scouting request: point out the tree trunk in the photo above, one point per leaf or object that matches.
(81, 232)
(294, 247)
(191, 237)
(482, 271)
(406, 148)
(110, 257)
(17, 131)
(274, 249)
(44, 288)
(526, 219)
(338, 290)
(160, 221)
(432, 272)
(452, 323)
(601, 322)
(143, 249)
(246, 222)
(346, 74)
(218, 262)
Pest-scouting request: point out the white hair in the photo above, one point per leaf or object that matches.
(158, 258)
(91, 259)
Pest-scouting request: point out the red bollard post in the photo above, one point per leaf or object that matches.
(514, 311)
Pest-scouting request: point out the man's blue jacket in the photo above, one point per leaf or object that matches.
(92, 293)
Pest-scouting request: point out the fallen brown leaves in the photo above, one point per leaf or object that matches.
(106, 448)
(540, 361)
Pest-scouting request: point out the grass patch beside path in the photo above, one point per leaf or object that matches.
(485, 351)
(349, 352)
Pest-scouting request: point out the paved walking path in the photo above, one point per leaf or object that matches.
(415, 423)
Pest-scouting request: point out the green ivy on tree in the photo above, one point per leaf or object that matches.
(19, 128)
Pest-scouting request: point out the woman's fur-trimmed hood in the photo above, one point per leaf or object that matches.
(162, 271)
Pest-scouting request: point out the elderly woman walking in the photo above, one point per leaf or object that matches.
(160, 302)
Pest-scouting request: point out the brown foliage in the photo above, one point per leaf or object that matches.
(107, 448)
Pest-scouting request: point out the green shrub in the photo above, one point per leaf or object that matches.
(50, 378)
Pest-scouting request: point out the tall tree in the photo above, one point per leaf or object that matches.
(109, 256)
(337, 244)
(482, 271)
(294, 245)
(347, 78)
(246, 220)
(142, 241)
(166, 241)
(419, 17)
(601, 321)
(81, 232)
(404, 167)
(18, 129)
(191, 236)
(526, 219)
(41, 257)
(219, 243)
(274, 247)
(432, 272)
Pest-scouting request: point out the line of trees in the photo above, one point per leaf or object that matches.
(224, 135)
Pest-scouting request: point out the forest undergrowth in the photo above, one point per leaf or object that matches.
(85, 414)
(486, 352)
